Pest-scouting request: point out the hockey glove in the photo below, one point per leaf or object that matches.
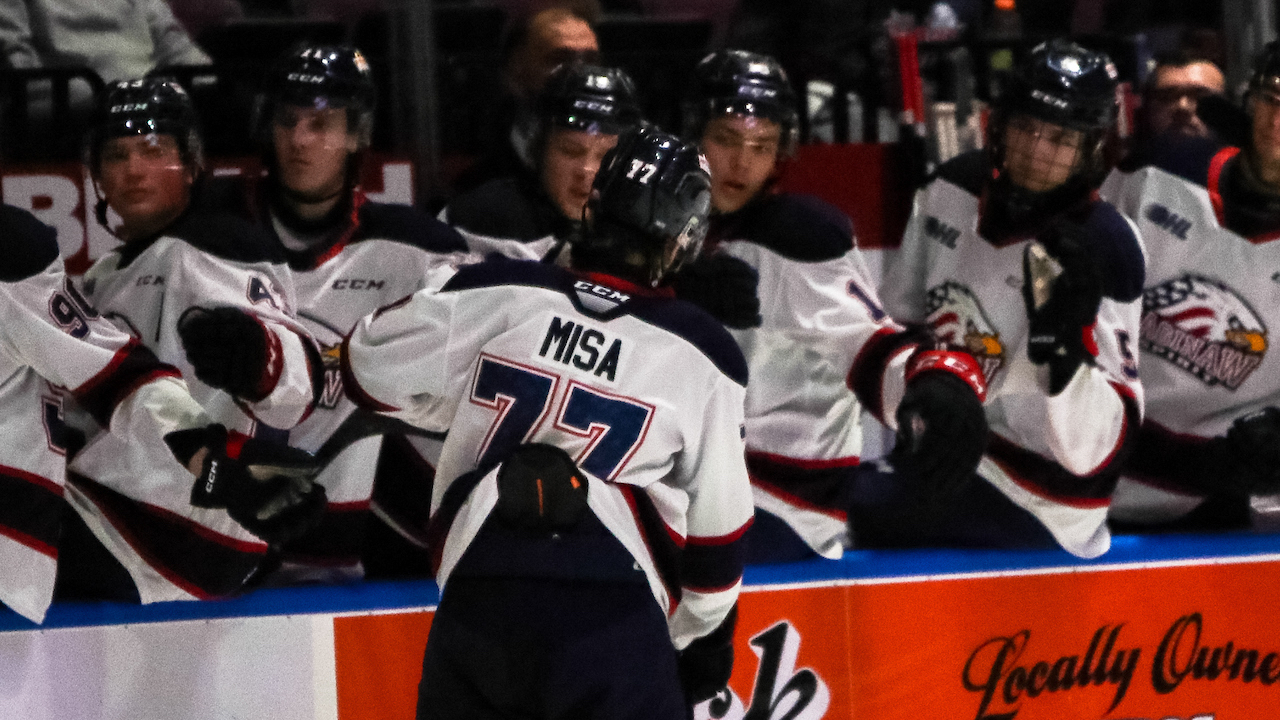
(1062, 288)
(942, 427)
(231, 350)
(266, 487)
(541, 490)
(724, 286)
(1251, 454)
(707, 663)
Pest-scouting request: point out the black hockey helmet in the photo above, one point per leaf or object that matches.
(589, 98)
(737, 82)
(1266, 69)
(146, 106)
(1062, 83)
(319, 76)
(647, 214)
(579, 96)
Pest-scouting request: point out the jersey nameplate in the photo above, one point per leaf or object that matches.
(568, 342)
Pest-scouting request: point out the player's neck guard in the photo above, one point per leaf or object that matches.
(1251, 207)
(1009, 212)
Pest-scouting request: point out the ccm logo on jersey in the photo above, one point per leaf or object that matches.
(354, 284)
(568, 342)
(1170, 221)
(603, 291)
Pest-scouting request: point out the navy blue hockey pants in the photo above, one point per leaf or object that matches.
(549, 649)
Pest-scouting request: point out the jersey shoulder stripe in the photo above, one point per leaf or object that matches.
(407, 225)
(505, 208)
(967, 171)
(30, 246)
(678, 317)
(1113, 239)
(1188, 158)
(802, 228)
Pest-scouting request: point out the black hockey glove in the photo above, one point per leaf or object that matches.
(1250, 454)
(707, 663)
(722, 285)
(266, 487)
(541, 490)
(942, 427)
(231, 350)
(1062, 288)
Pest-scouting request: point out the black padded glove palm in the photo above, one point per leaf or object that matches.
(707, 663)
(230, 350)
(1250, 454)
(942, 434)
(1062, 288)
(722, 285)
(266, 487)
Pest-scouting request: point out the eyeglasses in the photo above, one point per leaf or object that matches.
(1175, 93)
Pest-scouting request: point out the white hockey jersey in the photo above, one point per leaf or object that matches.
(824, 344)
(385, 253)
(1054, 456)
(1211, 296)
(53, 346)
(202, 260)
(645, 392)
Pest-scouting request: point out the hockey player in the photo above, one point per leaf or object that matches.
(1209, 216)
(184, 274)
(594, 448)
(55, 347)
(349, 256)
(1009, 255)
(824, 348)
(532, 214)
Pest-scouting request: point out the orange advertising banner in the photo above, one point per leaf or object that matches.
(1176, 640)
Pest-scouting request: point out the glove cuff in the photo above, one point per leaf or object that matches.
(960, 364)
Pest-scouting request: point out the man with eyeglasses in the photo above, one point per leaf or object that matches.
(1010, 256)
(1173, 93)
(1209, 216)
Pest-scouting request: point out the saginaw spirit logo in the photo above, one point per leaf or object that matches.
(1008, 674)
(780, 691)
(956, 318)
(1204, 327)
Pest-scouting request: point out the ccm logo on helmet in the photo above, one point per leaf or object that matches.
(306, 78)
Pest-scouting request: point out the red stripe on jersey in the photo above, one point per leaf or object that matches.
(712, 540)
(106, 372)
(349, 506)
(27, 541)
(352, 386)
(713, 590)
(796, 501)
(805, 464)
(1036, 489)
(1215, 181)
(43, 483)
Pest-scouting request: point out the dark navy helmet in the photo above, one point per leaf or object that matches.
(589, 98)
(1266, 69)
(319, 76)
(737, 82)
(647, 214)
(1065, 84)
(146, 106)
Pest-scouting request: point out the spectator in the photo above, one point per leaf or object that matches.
(1170, 99)
(117, 39)
(534, 47)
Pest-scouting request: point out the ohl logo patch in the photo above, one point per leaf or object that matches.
(957, 319)
(1204, 327)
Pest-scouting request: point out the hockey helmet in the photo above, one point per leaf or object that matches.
(589, 98)
(737, 82)
(319, 76)
(1067, 85)
(1266, 69)
(146, 106)
(647, 214)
